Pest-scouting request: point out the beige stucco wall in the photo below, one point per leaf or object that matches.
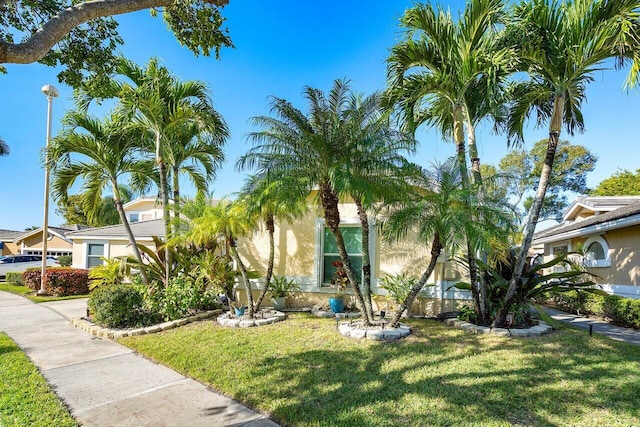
(10, 248)
(624, 252)
(34, 242)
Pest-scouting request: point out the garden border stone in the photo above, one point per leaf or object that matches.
(535, 331)
(99, 331)
(319, 312)
(226, 319)
(355, 330)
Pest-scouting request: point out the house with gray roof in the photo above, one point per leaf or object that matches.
(608, 228)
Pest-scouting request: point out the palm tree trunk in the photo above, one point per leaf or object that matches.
(164, 193)
(534, 213)
(127, 228)
(332, 219)
(458, 137)
(366, 257)
(243, 272)
(436, 250)
(482, 311)
(267, 281)
(176, 200)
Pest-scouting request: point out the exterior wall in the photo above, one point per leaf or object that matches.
(149, 208)
(9, 248)
(296, 256)
(112, 248)
(34, 243)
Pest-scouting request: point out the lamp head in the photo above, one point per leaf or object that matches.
(50, 91)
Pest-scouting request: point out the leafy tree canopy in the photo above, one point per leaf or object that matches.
(74, 211)
(521, 170)
(82, 36)
(622, 183)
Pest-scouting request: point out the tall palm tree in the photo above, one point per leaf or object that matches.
(272, 199)
(228, 221)
(450, 75)
(311, 148)
(561, 45)
(373, 170)
(196, 154)
(107, 154)
(438, 212)
(4, 148)
(157, 102)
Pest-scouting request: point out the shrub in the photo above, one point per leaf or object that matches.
(112, 272)
(61, 281)
(65, 260)
(14, 278)
(120, 306)
(181, 297)
(619, 310)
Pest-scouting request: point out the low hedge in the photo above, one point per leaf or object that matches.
(120, 306)
(619, 310)
(14, 278)
(60, 281)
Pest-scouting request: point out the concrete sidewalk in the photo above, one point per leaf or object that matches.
(106, 384)
(628, 335)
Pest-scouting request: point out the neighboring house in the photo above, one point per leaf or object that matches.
(143, 209)
(111, 241)
(30, 242)
(608, 228)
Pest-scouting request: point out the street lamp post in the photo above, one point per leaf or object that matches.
(50, 92)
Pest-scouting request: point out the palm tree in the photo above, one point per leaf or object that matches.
(561, 45)
(187, 149)
(272, 199)
(374, 167)
(438, 212)
(450, 75)
(227, 221)
(157, 102)
(108, 153)
(309, 148)
(4, 148)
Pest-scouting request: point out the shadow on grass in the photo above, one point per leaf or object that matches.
(452, 379)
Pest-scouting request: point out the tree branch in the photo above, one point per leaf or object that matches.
(41, 42)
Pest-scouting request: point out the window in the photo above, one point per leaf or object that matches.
(134, 217)
(94, 252)
(555, 252)
(146, 217)
(353, 243)
(597, 252)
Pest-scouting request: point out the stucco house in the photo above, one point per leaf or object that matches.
(608, 228)
(304, 252)
(30, 242)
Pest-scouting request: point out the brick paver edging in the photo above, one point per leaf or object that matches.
(100, 331)
(535, 331)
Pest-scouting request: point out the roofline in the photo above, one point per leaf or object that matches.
(576, 204)
(39, 231)
(602, 227)
(114, 237)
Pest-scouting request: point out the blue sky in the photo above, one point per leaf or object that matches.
(281, 46)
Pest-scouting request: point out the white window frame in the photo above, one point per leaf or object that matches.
(137, 217)
(319, 246)
(86, 244)
(597, 263)
(558, 268)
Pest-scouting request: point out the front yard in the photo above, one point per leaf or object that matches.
(303, 373)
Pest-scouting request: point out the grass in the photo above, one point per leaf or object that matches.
(30, 293)
(25, 397)
(303, 373)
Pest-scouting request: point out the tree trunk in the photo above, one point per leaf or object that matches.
(176, 201)
(245, 277)
(458, 137)
(267, 280)
(127, 228)
(482, 292)
(164, 193)
(436, 250)
(332, 220)
(534, 213)
(366, 257)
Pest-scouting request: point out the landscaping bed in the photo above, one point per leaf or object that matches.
(303, 373)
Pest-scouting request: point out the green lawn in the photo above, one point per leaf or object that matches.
(29, 293)
(25, 396)
(303, 373)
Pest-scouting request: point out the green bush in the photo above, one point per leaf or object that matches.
(65, 260)
(619, 310)
(181, 298)
(14, 278)
(61, 281)
(120, 306)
